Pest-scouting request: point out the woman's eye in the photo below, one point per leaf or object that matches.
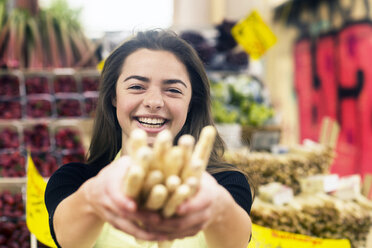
(172, 90)
(135, 87)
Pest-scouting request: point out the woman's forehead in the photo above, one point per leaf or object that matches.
(154, 61)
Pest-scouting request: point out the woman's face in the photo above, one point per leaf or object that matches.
(153, 92)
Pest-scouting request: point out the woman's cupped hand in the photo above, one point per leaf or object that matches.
(105, 196)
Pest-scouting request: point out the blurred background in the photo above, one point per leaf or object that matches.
(291, 91)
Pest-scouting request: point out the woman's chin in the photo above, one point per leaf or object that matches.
(151, 140)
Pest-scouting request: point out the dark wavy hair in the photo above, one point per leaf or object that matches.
(107, 137)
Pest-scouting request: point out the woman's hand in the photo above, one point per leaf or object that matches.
(195, 214)
(105, 195)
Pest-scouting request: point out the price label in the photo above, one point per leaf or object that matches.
(100, 65)
(263, 237)
(36, 212)
(253, 35)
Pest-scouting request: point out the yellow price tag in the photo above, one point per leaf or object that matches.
(263, 237)
(253, 35)
(100, 65)
(36, 213)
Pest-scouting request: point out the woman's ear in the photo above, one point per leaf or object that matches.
(113, 101)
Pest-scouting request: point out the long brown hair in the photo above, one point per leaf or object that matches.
(107, 138)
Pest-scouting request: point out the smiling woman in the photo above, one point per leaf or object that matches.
(153, 82)
(153, 93)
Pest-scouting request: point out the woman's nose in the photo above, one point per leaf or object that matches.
(153, 99)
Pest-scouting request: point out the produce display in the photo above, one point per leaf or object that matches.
(37, 42)
(69, 107)
(205, 50)
(10, 109)
(9, 85)
(31, 103)
(11, 205)
(240, 99)
(13, 229)
(68, 143)
(219, 52)
(9, 138)
(37, 138)
(37, 84)
(48, 94)
(72, 156)
(288, 168)
(45, 163)
(65, 83)
(225, 41)
(12, 164)
(50, 143)
(89, 83)
(39, 107)
(90, 105)
(317, 215)
(50, 38)
(316, 210)
(68, 138)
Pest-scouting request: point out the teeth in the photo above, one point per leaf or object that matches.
(151, 121)
(151, 125)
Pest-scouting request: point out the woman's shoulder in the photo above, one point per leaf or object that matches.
(232, 177)
(229, 175)
(78, 169)
(237, 184)
(72, 174)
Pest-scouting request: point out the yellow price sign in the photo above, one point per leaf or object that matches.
(100, 65)
(263, 237)
(36, 213)
(253, 35)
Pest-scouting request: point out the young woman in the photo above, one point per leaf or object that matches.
(154, 81)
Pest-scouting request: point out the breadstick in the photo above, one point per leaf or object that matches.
(193, 183)
(137, 139)
(133, 181)
(180, 195)
(157, 197)
(194, 169)
(173, 162)
(162, 145)
(172, 182)
(154, 177)
(204, 146)
(144, 156)
(186, 142)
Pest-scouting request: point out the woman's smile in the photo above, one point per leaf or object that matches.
(151, 124)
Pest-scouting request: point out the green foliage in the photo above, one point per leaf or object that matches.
(240, 99)
(62, 12)
(53, 38)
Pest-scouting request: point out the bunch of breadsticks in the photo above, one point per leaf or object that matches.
(164, 176)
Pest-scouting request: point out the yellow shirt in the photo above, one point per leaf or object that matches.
(113, 238)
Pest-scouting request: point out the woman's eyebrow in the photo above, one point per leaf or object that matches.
(146, 80)
(175, 81)
(140, 78)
